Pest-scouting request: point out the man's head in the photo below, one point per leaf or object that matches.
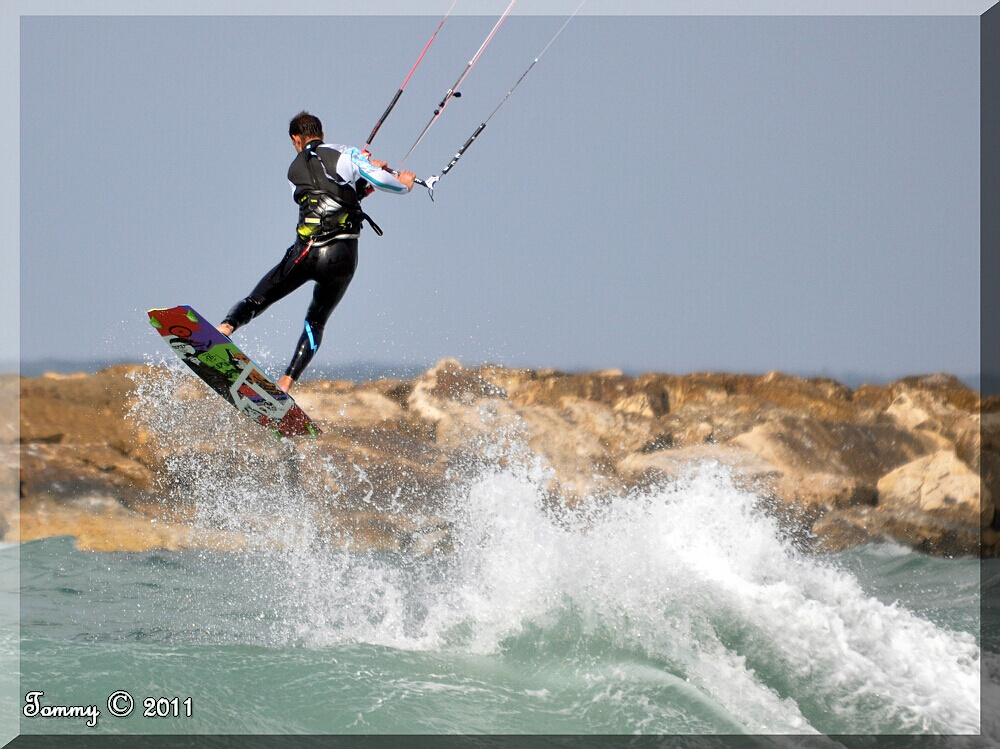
(303, 128)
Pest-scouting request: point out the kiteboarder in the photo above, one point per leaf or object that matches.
(329, 182)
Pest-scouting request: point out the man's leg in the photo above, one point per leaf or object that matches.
(276, 284)
(333, 272)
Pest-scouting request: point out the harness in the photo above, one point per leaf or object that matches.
(331, 206)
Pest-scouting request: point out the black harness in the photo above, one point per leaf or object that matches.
(320, 180)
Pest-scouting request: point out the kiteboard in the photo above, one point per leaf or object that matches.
(228, 371)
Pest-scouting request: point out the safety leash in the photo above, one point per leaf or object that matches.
(303, 253)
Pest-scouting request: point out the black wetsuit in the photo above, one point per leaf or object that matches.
(325, 249)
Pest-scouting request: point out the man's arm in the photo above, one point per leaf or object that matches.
(376, 174)
(405, 176)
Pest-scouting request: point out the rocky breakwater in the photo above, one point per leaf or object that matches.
(108, 458)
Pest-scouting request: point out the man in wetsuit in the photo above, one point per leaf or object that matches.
(329, 182)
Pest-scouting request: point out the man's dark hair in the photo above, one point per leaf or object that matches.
(306, 124)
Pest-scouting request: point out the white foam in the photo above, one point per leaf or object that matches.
(690, 577)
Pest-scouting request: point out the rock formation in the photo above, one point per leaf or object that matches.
(916, 461)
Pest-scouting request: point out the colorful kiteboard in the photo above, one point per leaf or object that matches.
(229, 372)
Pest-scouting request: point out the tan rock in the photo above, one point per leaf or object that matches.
(749, 470)
(636, 405)
(9, 408)
(990, 480)
(989, 428)
(825, 490)
(573, 442)
(702, 431)
(927, 534)
(354, 406)
(464, 407)
(943, 405)
(939, 484)
(924, 532)
(836, 531)
(378, 468)
(991, 543)
(907, 414)
(79, 409)
(799, 445)
(104, 525)
(57, 472)
(578, 428)
(10, 465)
(646, 395)
(391, 450)
(618, 431)
(942, 390)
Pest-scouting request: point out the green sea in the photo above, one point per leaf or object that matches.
(681, 610)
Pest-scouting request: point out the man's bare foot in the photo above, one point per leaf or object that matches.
(226, 329)
(285, 383)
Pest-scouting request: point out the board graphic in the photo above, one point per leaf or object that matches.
(229, 372)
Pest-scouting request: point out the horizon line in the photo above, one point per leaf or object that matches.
(402, 370)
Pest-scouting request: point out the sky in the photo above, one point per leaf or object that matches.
(668, 193)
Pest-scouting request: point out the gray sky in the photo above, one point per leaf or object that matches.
(670, 193)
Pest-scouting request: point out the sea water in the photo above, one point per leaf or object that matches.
(681, 609)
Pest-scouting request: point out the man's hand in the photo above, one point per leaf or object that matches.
(406, 178)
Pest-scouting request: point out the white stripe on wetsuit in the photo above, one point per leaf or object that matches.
(356, 167)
